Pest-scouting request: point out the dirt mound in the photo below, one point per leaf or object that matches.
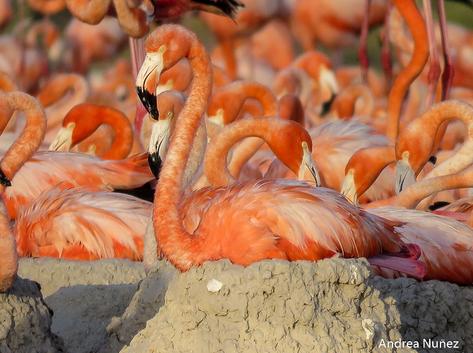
(25, 321)
(84, 296)
(333, 305)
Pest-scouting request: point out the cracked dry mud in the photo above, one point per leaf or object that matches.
(333, 305)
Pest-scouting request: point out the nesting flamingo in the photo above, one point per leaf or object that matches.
(262, 238)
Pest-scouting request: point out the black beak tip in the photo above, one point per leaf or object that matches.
(3, 179)
(155, 163)
(149, 101)
(326, 106)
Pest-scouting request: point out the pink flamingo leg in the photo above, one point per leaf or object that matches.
(386, 59)
(448, 71)
(434, 69)
(363, 49)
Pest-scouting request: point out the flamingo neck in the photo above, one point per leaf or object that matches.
(179, 247)
(262, 94)
(53, 97)
(427, 126)
(416, 24)
(414, 194)
(30, 138)
(89, 11)
(215, 167)
(123, 139)
(376, 159)
(250, 146)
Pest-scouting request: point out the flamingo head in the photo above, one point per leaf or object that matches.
(170, 104)
(292, 144)
(75, 128)
(164, 48)
(412, 153)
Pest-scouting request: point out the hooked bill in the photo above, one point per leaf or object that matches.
(3, 179)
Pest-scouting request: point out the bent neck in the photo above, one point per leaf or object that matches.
(377, 159)
(89, 11)
(123, 139)
(416, 24)
(31, 137)
(426, 127)
(414, 194)
(176, 244)
(215, 164)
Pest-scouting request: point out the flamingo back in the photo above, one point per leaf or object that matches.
(446, 244)
(49, 169)
(283, 219)
(77, 224)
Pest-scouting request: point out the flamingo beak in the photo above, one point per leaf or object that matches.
(308, 164)
(349, 189)
(329, 84)
(3, 179)
(158, 145)
(63, 139)
(147, 79)
(405, 175)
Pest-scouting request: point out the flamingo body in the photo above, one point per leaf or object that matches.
(79, 225)
(49, 169)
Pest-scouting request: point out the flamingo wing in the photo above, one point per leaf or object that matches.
(78, 224)
(446, 244)
(253, 221)
(50, 169)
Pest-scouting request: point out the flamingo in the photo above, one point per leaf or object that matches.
(344, 104)
(444, 242)
(69, 169)
(288, 140)
(5, 12)
(72, 223)
(77, 224)
(11, 162)
(281, 216)
(131, 17)
(58, 96)
(417, 143)
(47, 7)
(87, 43)
(164, 9)
(363, 168)
(402, 81)
(83, 120)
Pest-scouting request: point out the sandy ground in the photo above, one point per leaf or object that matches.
(274, 306)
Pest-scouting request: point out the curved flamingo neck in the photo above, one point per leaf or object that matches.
(215, 165)
(367, 164)
(89, 11)
(416, 24)
(250, 146)
(123, 139)
(414, 194)
(53, 95)
(345, 102)
(31, 137)
(177, 245)
(426, 127)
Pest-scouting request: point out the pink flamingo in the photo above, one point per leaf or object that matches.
(282, 217)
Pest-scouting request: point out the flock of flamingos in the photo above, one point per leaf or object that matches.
(255, 147)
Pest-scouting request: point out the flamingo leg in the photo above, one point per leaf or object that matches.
(363, 48)
(448, 71)
(386, 59)
(434, 68)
